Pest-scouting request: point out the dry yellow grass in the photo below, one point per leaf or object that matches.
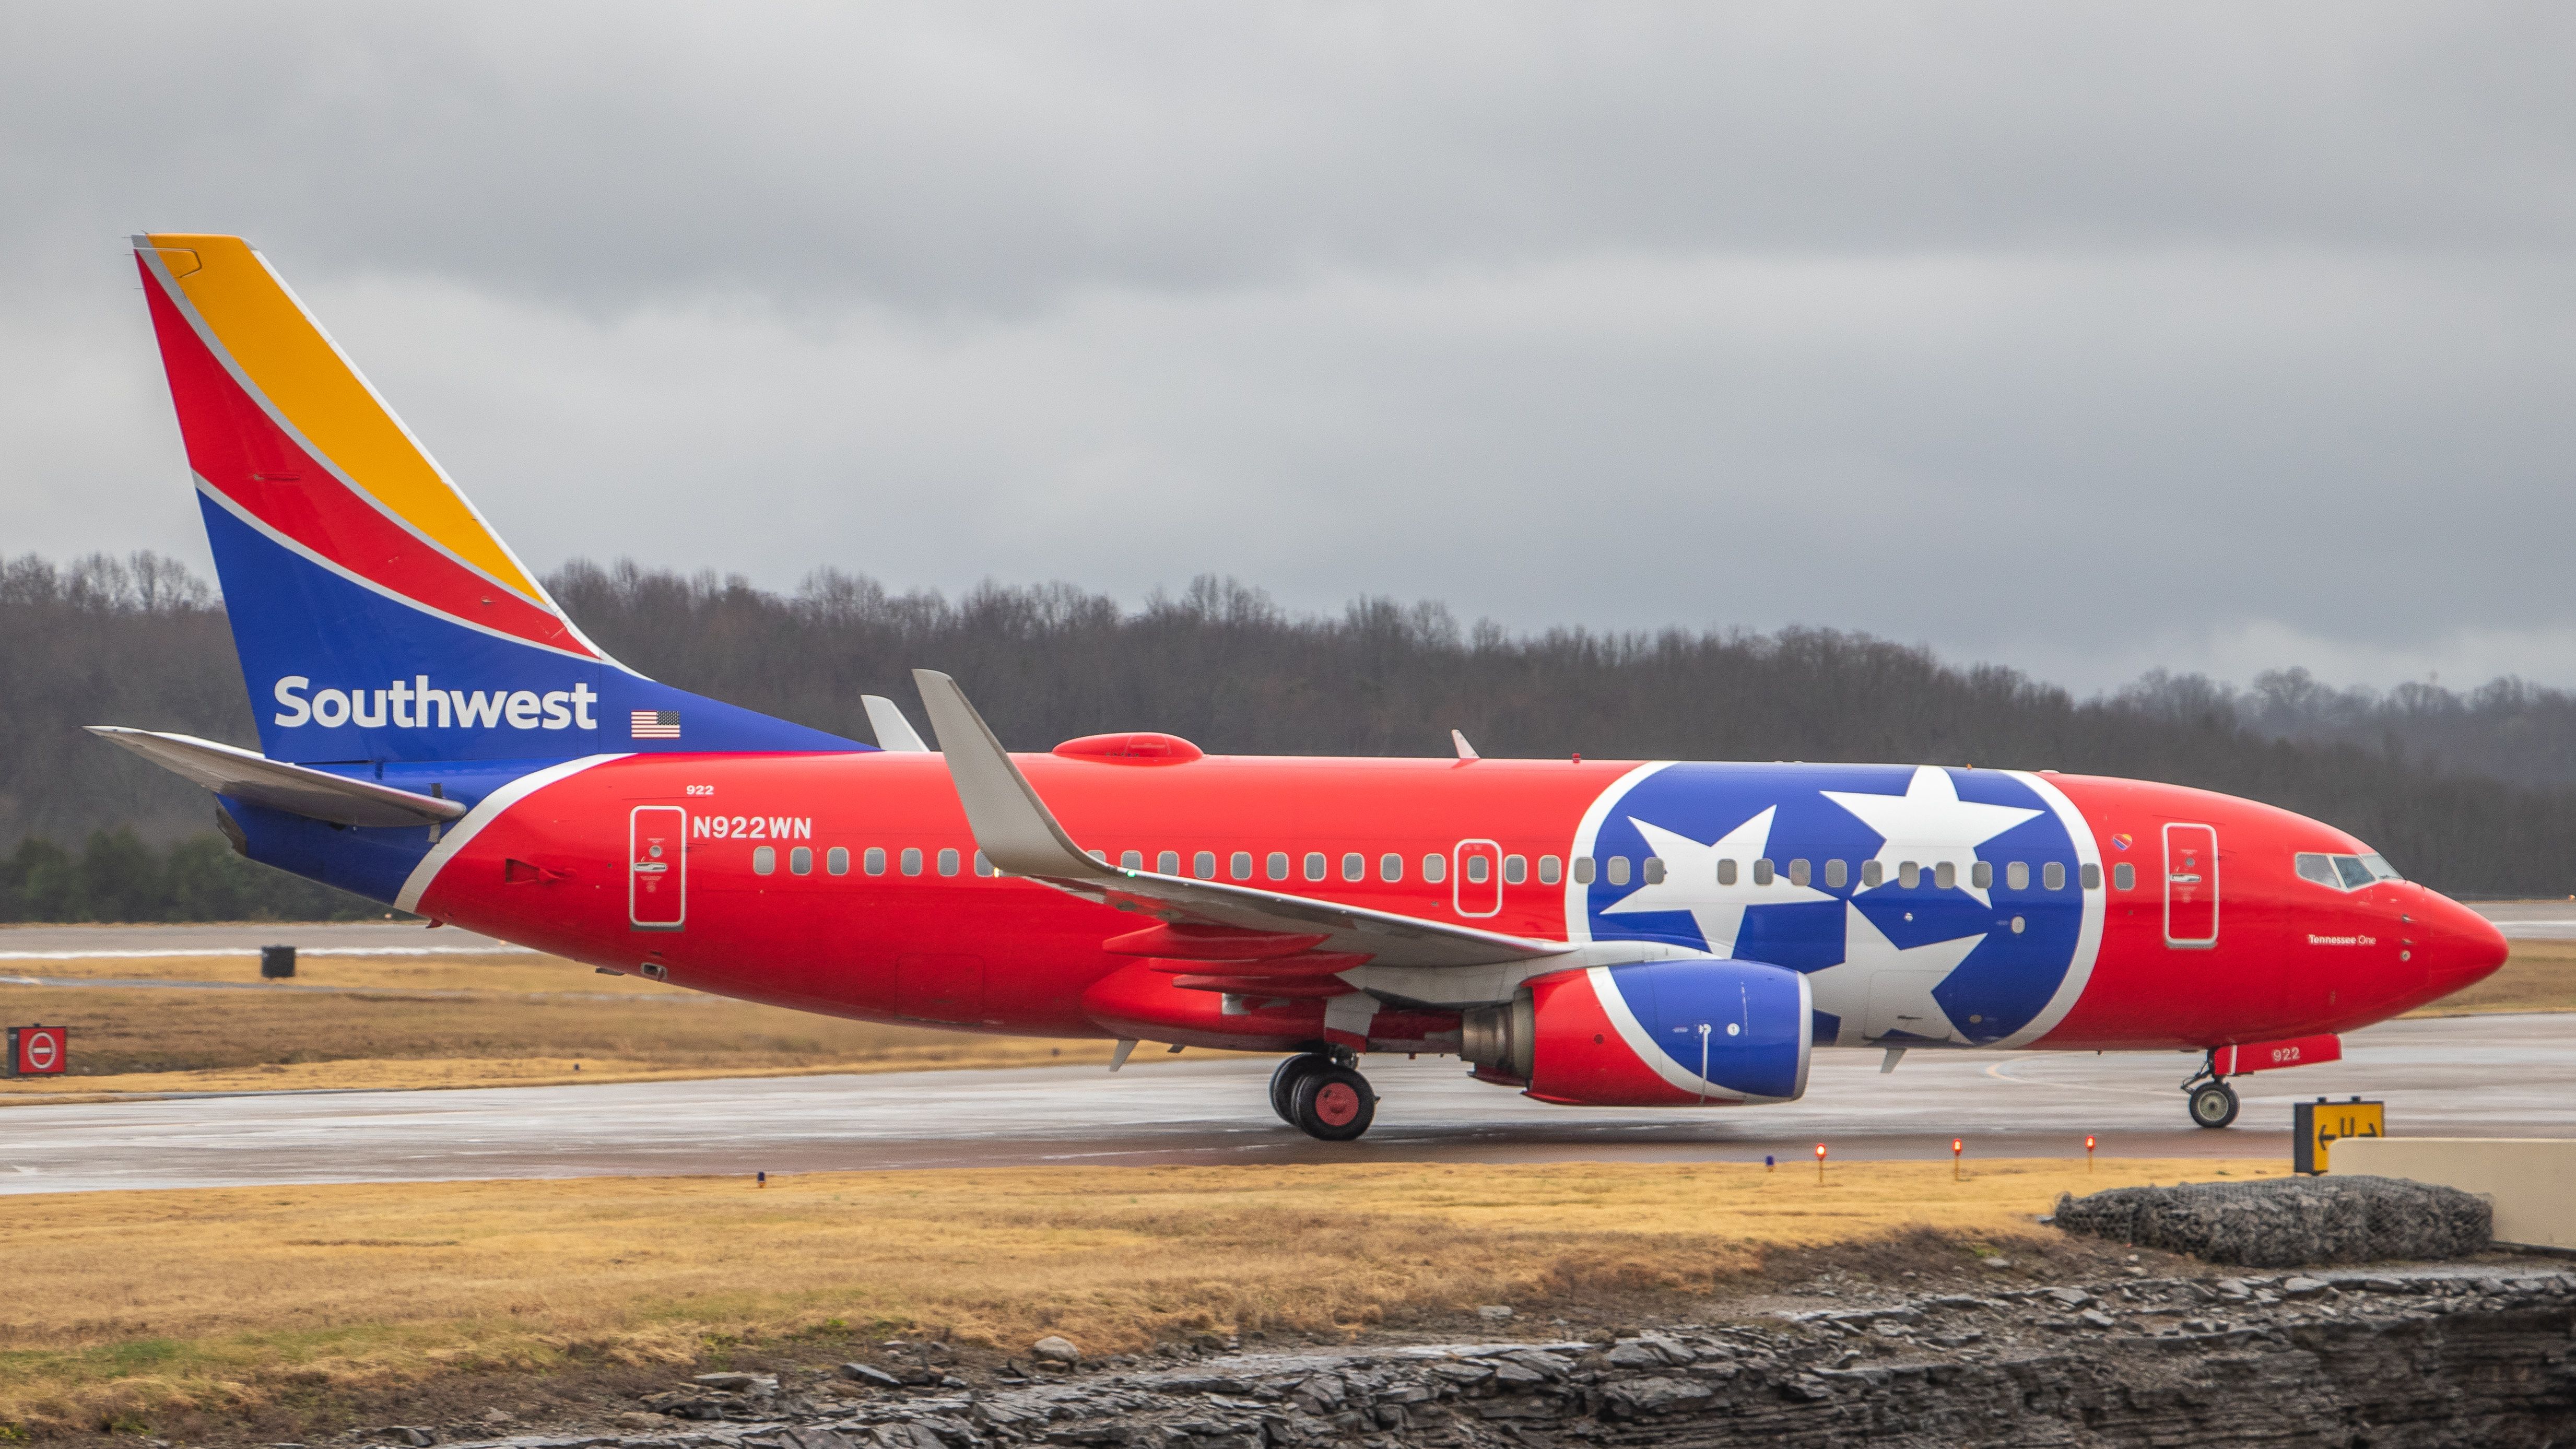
(2538, 976)
(147, 1303)
(451, 1021)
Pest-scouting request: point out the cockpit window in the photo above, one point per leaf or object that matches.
(2344, 872)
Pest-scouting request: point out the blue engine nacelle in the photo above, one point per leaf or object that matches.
(1651, 1034)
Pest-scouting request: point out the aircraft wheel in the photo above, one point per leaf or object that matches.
(1283, 1083)
(2213, 1104)
(1334, 1103)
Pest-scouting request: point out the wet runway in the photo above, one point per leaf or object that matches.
(2480, 1075)
(2531, 920)
(324, 938)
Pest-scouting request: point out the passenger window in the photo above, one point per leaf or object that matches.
(1762, 872)
(2317, 867)
(1945, 875)
(1203, 865)
(2092, 876)
(1550, 870)
(2124, 876)
(2017, 875)
(1583, 870)
(2052, 876)
(1515, 869)
(1798, 875)
(1435, 868)
(1390, 867)
(912, 860)
(837, 860)
(1726, 872)
(1908, 875)
(764, 859)
(1479, 869)
(1314, 865)
(1278, 864)
(1873, 874)
(1618, 870)
(948, 862)
(801, 860)
(1240, 867)
(874, 861)
(1131, 860)
(982, 866)
(1168, 863)
(1836, 875)
(1654, 870)
(1354, 865)
(1099, 855)
(1982, 875)
(2355, 874)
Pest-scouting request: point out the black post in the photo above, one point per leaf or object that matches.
(276, 963)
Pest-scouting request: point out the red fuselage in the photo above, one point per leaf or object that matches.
(908, 930)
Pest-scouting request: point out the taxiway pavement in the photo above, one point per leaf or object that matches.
(2474, 1075)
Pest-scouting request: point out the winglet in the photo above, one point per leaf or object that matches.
(1013, 827)
(1466, 751)
(894, 733)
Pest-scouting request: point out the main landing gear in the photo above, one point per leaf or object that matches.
(1323, 1096)
(2213, 1102)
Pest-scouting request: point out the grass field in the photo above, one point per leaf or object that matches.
(450, 1021)
(2538, 976)
(160, 1311)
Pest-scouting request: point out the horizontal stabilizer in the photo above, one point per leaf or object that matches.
(295, 789)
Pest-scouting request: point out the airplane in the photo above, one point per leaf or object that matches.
(437, 735)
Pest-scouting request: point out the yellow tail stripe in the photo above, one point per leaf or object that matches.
(291, 361)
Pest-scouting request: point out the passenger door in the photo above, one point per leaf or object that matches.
(657, 867)
(2191, 886)
(1476, 878)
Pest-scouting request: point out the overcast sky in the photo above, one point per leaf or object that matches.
(2076, 337)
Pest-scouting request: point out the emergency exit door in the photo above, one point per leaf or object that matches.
(657, 867)
(1476, 878)
(2191, 886)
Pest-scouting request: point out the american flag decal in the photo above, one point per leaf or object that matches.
(654, 724)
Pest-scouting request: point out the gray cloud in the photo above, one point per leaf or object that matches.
(2077, 337)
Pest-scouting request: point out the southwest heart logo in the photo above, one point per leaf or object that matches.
(2121, 840)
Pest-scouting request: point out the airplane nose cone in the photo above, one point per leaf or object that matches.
(2459, 947)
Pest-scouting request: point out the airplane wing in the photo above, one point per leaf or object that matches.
(295, 789)
(1020, 835)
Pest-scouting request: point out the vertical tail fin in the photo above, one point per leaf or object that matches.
(378, 615)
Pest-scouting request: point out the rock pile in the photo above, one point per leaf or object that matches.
(2434, 1358)
(2293, 1222)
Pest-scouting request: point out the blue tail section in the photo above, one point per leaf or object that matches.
(340, 672)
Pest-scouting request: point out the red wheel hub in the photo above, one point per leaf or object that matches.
(1336, 1104)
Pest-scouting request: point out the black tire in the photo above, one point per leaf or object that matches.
(1333, 1103)
(2213, 1105)
(1283, 1083)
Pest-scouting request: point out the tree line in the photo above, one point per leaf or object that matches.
(2419, 773)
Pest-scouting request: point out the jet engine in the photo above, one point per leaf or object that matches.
(1650, 1034)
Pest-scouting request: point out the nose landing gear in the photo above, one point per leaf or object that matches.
(2213, 1102)
(1323, 1096)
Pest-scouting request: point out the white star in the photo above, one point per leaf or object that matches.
(1881, 987)
(1690, 880)
(1929, 824)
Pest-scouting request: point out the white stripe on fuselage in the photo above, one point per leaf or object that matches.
(493, 806)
